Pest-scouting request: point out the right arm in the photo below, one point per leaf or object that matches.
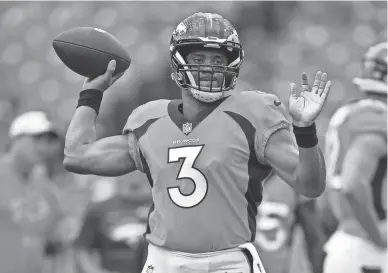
(84, 154)
(359, 167)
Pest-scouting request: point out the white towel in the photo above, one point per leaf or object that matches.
(257, 264)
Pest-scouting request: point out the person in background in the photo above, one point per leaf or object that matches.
(111, 238)
(29, 211)
(281, 210)
(73, 192)
(356, 154)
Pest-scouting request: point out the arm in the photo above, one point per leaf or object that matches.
(359, 167)
(306, 216)
(85, 155)
(327, 218)
(303, 170)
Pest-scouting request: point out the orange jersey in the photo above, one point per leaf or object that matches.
(206, 176)
(354, 119)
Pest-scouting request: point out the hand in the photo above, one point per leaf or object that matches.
(306, 107)
(103, 82)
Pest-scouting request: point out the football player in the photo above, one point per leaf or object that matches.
(205, 154)
(356, 153)
(278, 214)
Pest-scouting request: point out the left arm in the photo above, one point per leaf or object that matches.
(306, 216)
(301, 168)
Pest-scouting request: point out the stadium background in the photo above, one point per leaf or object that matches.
(280, 39)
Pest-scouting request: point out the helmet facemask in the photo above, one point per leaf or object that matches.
(205, 31)
(219, 78)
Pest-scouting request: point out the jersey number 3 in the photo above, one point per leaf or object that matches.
(189, 154)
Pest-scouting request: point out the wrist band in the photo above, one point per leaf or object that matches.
(91, 98)
(306, 137)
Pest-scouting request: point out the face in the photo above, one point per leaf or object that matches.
(208, 57)
(49, 146)
(27, 151)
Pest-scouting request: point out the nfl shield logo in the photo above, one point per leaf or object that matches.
(187, 127)
(150, 269)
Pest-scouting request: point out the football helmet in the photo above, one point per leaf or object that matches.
(374, 70)
(205, 30)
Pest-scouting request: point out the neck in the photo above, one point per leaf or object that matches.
(193, 108)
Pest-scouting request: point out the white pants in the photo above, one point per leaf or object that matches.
(238, 260)
(351, 254)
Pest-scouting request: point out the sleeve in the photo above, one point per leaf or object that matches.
(271, 116)
(88, 236)
(139, 117)
(134, 150)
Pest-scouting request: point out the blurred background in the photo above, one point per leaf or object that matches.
(280, 40)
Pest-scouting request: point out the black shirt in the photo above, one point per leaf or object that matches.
(115, 228)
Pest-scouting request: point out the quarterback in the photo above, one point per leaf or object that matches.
(206, 154)
(356, 152)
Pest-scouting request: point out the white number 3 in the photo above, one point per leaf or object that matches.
(187, 170)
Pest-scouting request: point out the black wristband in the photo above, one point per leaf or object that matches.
(306, 137)
(91, 98)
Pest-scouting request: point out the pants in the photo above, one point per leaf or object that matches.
(237, 260)
(351, 254)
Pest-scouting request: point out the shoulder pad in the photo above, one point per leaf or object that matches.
(263, 101)
(267, 106)
(266, 113)
(150, 110)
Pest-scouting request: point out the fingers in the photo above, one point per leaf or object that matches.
(322, 84)
(317, 82)
(292, 89)
(305, 83)
(111, 68)
(326, 90)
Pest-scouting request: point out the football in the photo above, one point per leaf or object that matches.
(88, 50)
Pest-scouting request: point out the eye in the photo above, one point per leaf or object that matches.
(197, 60)
(218, 62)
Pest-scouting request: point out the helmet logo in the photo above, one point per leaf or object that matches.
(180, 30)
(179, 76)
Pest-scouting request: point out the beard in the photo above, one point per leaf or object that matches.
(208, 81)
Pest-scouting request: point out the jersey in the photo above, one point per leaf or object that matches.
(352, 120)
(205, 175)
(29, 214)
(275, 224)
